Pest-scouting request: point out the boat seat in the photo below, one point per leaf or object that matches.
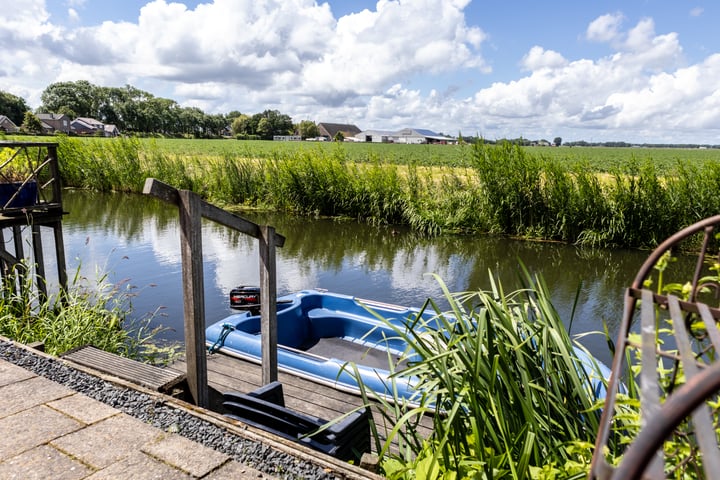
(264, 408)
(332, 323)
(669, 339)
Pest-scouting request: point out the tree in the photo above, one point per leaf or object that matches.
(76, 99)
(241, 125)
(13, 107)
(264, 128)
(275, 123)
(31, 123)
(339, 137)
(557, 141)
(308, 129)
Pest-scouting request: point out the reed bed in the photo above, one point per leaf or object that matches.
(500, 189)
(510, 395)
(86, 314)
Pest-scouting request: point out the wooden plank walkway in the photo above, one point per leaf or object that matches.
(227, 373)
(149, 376)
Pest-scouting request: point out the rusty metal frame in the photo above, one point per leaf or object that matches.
(642, 458)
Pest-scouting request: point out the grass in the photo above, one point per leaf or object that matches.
(85, 314)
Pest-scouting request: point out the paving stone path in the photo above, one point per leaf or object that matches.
(48, 431)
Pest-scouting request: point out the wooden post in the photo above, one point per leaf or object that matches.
(192, 209)
(39, 260)
(60, 255)
(193, 295)
(268, 305)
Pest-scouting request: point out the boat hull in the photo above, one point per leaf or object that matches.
(340, 341)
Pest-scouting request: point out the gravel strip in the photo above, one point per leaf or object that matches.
(160, 415)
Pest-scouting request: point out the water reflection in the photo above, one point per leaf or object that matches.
(135, 237)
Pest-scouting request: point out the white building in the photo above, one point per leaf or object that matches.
(406, 135)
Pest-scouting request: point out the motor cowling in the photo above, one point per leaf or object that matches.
(245, 298)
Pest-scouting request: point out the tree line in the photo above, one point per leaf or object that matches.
(135, 111)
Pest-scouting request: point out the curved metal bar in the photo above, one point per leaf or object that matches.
(707, 225)
(678, 406)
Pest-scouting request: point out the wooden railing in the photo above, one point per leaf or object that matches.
(30, 170)
(192, 210)
(30, 195)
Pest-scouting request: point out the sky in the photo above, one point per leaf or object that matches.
(640, 71)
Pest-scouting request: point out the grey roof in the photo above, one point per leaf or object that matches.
(425, 132)
(333, 128)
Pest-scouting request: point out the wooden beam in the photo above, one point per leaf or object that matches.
(39, 260)
(193, 295)
(268, 306)
(168, 193)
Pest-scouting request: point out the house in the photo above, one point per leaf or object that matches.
(111, 130)
(329, 130)
(90, 126)
(54, 122)
(7, 125)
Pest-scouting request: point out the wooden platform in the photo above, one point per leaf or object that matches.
(226, 373)
(149, 376)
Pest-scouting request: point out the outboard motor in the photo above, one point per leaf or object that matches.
(245, 298)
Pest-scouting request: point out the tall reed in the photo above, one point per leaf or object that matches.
(505, 190)
(510, 391)
(86, 314)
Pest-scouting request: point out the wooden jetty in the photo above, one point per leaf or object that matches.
(227, 373)
(209, 376)
(30, 197)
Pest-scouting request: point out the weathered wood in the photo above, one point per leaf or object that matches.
(192, 209)
(54, 173)
(39, 260)
(169, 194)
(268, 305)
(193, 295)
(46, 212)
(149, 376)
(231, 374)
(60, 255)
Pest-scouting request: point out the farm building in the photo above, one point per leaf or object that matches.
(406, 135)
(375, 136)
(90, 126)
(329, 130)
(7, 125)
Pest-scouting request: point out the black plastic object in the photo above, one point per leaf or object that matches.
(264, 408)
(245, 298)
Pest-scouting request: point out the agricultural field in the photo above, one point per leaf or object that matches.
(600, 159)
(608, 197)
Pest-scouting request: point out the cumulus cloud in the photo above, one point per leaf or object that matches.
(298, 57)
(605, 28)
(538, 58)
(398, 40)
(639, 90)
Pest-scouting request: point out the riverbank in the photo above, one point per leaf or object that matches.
(499, 189)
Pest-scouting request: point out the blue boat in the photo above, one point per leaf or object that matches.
(320, 332)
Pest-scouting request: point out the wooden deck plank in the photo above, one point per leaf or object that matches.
(227, 373)
(155, 378)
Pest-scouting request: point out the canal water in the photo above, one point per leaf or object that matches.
(134, 241)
